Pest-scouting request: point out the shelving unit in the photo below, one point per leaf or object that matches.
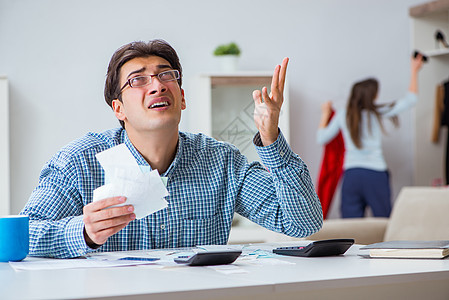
(4, 147)
(224, 108)
(429, 158)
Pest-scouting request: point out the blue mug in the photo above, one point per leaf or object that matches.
(14, 238)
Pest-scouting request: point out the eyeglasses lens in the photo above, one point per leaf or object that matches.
(168, 75)
(145, 80)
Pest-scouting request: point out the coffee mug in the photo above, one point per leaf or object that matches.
(14, 238)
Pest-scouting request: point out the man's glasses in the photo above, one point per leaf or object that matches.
(141, 81)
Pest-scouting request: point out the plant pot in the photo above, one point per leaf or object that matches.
(228, 63)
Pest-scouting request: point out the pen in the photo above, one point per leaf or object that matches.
(139, 258)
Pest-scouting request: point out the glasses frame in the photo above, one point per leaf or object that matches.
(158, 75)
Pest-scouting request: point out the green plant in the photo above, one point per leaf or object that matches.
(227, 49)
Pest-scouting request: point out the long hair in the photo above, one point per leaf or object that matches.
(362, 97)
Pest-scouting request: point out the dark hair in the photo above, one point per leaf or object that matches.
(134, 50)
(362, 97)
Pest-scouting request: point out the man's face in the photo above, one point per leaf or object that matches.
(153, 107)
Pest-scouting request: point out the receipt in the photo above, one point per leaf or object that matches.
(123, 177)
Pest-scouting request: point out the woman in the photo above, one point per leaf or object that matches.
(365, 179)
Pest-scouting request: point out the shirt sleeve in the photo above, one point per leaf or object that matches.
(281, 196)
(400, 105)
(55, 210)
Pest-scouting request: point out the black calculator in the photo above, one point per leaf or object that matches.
(318, 248)
(209, 258)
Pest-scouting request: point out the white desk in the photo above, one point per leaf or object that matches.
(343, 277)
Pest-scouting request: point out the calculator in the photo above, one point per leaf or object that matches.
(209, 258)
(318, 248)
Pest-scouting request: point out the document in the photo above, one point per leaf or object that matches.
(153, 258)
(144, 189)
(57, 264)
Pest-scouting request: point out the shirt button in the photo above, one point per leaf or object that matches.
(282, 153)
(163, 226)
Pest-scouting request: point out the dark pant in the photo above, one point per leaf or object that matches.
(364, 187)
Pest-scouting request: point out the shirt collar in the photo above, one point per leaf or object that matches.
(177, 159)
(142, 162)
(139, 158)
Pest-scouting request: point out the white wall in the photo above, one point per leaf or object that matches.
(55, 54)
(5, 202)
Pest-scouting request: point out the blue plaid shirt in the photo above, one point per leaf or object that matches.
(208, 181)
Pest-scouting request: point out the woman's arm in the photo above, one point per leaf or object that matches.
(416, 65)
(326, 111)
(327, 130)
(411, 98)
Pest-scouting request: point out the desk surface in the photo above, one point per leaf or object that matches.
(338, 277)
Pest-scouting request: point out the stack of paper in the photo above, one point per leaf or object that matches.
(409, 249)
(123, 177)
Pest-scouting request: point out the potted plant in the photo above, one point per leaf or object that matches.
(228, 55)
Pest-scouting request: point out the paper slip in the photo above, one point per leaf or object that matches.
(228, 269)
(123, 177)
(57, 264)
(212, 248)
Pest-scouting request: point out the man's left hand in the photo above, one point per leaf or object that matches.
(268, 107)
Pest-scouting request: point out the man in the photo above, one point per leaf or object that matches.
(207, 180)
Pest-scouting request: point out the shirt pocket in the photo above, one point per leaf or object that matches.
(205, 231)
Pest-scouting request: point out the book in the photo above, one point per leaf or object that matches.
(408, 249)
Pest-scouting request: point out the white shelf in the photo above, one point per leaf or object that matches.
(427, 18)
(224, 107)
(240, 73)
(437, 52)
